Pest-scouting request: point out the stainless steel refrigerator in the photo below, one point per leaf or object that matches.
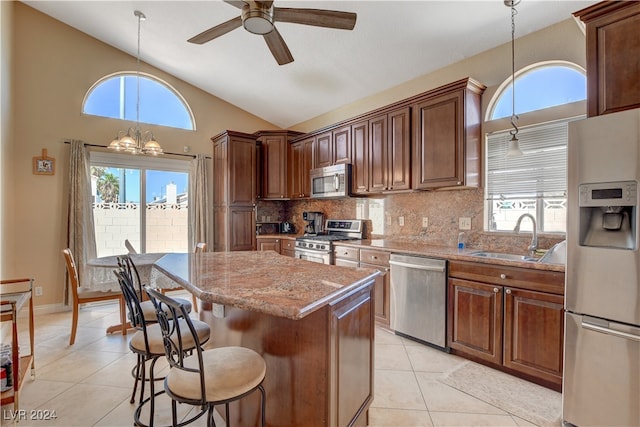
(601, 384)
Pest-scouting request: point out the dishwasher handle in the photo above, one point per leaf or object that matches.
(418, 266)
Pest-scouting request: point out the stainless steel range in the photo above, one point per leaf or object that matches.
(319, 247)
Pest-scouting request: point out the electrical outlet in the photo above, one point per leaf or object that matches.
(425, 222)
(38, 291)
(401, 221)
(464, 223)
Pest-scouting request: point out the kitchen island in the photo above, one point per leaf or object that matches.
(312, 323)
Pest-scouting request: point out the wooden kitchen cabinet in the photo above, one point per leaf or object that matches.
(348, 256)
(389, 156)
(301, 164)
(508, 317)
(288, 246)
(446, 137)
(268, 244)
(274, 163)
(234, 191)
(613, 56)
(333, 147)
(360, 157)
(282, 245)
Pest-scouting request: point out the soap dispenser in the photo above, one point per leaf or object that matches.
(461, 240)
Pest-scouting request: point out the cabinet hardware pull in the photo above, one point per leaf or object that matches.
(503, 276)
(496, 290)
(374, 257)
(508, 291)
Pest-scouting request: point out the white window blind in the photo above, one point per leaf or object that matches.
(540, 172)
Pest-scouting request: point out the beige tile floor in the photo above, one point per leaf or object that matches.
(89, 384)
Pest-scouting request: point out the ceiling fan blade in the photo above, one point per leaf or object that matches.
(216, 31)
(237, 3)
(316, 17)
(278, 47)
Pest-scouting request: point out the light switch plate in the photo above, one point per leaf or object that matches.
(465, 223)
(401, 221)
(425, 222)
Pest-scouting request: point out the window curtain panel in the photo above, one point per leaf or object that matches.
(199, 202)
(81, 236)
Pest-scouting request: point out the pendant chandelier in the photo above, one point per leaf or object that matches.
(514, 145)
(133, 140)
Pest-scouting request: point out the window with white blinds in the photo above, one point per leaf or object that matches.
(534, 183)
(540, 171)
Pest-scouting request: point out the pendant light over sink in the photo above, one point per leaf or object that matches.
(514, 145)
(134, 140)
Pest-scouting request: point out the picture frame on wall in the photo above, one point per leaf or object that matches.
(44, 165)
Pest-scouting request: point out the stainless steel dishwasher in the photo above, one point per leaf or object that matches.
(419, 298)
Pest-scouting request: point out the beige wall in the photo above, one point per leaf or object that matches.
(562, 41)
(53, 65)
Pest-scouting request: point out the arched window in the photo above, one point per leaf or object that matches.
(539, 87)
(536, 181)
(115, 96)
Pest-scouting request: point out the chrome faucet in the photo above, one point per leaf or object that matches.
(534, 238)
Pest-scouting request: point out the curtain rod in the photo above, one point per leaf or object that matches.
(66, 141)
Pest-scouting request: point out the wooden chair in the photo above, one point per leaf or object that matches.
(211, 377)
(83, 295)
(129, 247)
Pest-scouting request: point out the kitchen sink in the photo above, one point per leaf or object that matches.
(500, 255)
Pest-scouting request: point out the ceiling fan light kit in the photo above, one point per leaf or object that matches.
(259, 17)
(258, 20)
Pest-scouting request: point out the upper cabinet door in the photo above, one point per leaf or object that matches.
(360, 157)
(613, 49)
(446, 137)
(399, 142)
(242, 172)
(342, 145)
(438, 147)
(274, 166)
(324, 150)
(378, 154)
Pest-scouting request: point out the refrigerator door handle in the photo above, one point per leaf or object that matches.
(602, 329)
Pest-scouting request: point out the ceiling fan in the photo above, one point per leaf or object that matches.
(259, 17)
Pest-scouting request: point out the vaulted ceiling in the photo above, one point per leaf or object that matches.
(392, 42)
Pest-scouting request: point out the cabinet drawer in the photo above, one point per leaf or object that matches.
(371, 256)
(525, 278)
(345, 252)
(288, 244)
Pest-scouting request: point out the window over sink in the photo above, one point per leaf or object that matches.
(548, 96)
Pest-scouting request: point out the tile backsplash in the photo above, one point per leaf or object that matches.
(382, 218)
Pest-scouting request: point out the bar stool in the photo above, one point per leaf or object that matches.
(147, 343)
(209, 377)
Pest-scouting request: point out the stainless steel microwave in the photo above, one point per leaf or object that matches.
(331, 181)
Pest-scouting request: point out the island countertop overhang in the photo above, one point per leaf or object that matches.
(262, 281)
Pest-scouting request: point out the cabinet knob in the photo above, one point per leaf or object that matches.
(374, 257)
(508, 291)
(503, 276)
(496, 290)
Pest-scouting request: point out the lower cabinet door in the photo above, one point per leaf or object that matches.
(533, 333)
(474, 325)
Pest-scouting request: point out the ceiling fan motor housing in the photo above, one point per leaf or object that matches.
(257, 19)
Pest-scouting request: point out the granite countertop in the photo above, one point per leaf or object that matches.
(445, 252)
(261, 281)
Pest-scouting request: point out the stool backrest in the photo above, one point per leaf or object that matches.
(175, 336)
